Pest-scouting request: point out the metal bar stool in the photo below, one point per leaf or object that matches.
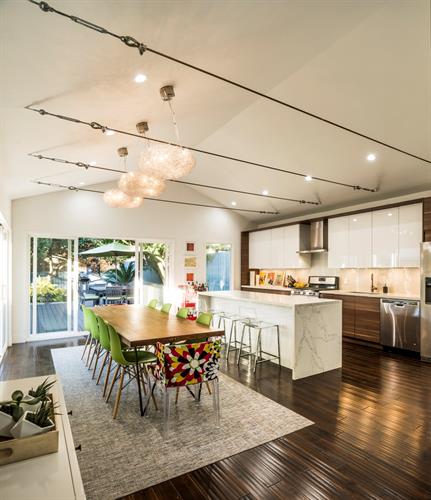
(259, 326)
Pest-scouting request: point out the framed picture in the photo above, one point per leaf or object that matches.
(190, 261)
(270, 278)
(190, 276)
(279, 279)
(190, 246)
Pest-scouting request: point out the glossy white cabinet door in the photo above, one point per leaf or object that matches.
(278, 248)
(409, 235)
(260, 249)
(385, 237)
(360, 241)
(293, 260)
(338, 242)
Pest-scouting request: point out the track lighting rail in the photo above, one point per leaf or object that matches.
(105, 128)
(87, 166)
(142, 48)
(203, 205)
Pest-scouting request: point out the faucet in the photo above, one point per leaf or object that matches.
(373, 288)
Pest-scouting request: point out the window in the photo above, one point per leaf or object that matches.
(218, 266)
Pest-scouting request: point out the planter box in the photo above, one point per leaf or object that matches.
(15, 450)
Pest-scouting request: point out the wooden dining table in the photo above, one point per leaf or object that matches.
(140, 326)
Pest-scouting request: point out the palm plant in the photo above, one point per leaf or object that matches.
(124, 275)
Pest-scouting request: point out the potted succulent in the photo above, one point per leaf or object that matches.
(32, 423)
(40, 393)
(11, 411)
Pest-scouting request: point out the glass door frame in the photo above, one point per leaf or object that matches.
(139, 276)
(72, 297)
(5, 287)
(232, 260)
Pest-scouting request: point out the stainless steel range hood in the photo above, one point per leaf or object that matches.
(318, 241)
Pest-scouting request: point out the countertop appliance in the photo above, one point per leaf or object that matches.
(426, 301)
(400, 324)
(317, 284)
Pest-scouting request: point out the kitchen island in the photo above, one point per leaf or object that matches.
(310, 328)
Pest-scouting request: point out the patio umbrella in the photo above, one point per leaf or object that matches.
(113, 249)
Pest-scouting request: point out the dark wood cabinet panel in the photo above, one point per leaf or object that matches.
(361, 316)
(427, 219)
(367, 319)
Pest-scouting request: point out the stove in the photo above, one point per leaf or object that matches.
(317, 284)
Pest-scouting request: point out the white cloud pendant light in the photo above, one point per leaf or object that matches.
(166, 162)
(141, 185)
(115, 198)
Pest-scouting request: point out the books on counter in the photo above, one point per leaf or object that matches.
(271, 278)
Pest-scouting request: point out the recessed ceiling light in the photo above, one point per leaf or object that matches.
(82, 183)
(390, 214)
(140, 78)
(265, 192)
(371, 157)
(109, 132)
(233, 203)
(92, 162)
(308, 178)
(355, 220)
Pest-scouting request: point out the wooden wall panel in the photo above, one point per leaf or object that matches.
(427, 219)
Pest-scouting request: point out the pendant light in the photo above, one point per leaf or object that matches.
(138, 183)
(163, 160)
(116, 198)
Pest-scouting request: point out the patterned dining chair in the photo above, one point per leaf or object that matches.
(185, 365)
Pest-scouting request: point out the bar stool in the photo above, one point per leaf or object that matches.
(259, 326)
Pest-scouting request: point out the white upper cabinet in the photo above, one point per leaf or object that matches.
(260, 249)
(278, 248)
(385, 238)
(409, 235)
(338, 242)
(360, 240)
(293, 260)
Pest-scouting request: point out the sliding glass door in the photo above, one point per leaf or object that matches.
(4, 282)
(52, 297)
(154, 270)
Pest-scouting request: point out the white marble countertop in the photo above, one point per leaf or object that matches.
(268, 298)
(267, 287)
(377, 295)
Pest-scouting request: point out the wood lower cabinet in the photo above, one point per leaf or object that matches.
(361, 316)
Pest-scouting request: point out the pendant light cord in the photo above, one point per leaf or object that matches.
(133, 43)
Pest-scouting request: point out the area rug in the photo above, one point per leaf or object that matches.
(122, 456)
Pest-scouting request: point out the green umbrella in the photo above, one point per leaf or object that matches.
(113, 249)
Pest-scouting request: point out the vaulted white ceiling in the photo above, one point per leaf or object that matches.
(364, 64)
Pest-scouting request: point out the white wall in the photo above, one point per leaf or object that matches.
(75, 214)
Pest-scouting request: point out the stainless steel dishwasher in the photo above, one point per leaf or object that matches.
(400, 324)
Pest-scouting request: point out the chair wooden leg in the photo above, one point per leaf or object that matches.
(105, 359)
(98, 352)
(113, 382)
(85, 346)
(89, 350)
(108, 371)
(208, 387)
(95, 349)
(176, 395)
(120, 388)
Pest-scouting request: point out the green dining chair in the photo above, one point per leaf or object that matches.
(86, 313)
(106, 347)
(183, 313)
(94, 331)
(166, 308)
(153, 304)
(126, 364)
(204, 318)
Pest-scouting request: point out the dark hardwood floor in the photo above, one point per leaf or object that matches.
(371, 438)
